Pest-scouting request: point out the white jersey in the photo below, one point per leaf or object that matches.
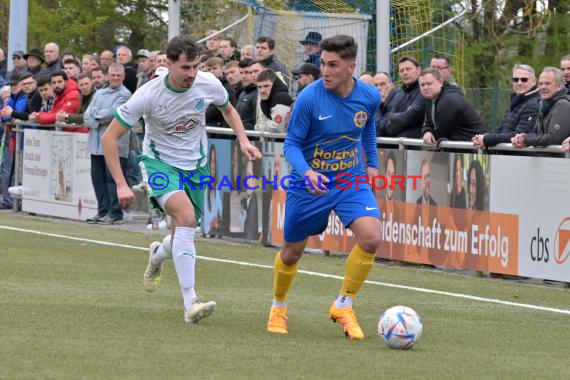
(174, 121)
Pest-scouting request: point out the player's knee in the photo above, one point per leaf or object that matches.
(369, 243)
(184, 219)
(291, 255)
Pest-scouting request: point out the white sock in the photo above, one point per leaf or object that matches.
(343, 301)
(184, 257)
(164, 251)
(279, 304)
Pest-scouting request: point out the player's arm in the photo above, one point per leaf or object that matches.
(110, 141)
(234, 121)
(297, 132)
(369, 141)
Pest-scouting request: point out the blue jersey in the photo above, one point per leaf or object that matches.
(328, 133)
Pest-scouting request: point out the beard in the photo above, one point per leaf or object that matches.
(58, 91)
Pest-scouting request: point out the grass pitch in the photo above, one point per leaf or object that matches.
(78, 310)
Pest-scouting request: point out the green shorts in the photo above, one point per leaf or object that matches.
(163, 179)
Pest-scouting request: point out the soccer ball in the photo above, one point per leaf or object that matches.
(400, 327)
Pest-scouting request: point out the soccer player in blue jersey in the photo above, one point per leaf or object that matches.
(331, 125)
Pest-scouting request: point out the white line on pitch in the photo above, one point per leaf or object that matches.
(317, 274)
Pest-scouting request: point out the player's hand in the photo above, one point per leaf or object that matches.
(250, 151)
(125, 195)
(478, 141)
(319, 182)
(429, 138)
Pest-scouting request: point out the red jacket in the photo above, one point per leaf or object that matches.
(68, 102)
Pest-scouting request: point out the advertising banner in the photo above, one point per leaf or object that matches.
(56, 175)
(538, 190)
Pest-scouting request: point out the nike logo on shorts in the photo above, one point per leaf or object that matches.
(371, 208)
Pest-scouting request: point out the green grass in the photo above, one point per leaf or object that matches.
(78, 310)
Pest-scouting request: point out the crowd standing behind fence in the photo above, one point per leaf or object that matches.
(402, 112)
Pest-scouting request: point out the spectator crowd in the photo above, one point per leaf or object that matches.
(82, 92)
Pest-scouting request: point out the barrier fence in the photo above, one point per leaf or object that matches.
(502, 213)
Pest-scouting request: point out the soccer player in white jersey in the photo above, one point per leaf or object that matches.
(173, 107)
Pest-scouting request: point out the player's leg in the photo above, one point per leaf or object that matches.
(305, 215)
(158, 252)
(360, 212)
(181, 210)
(284, 272)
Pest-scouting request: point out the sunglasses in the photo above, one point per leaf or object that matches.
(17, 57)
(523, 80)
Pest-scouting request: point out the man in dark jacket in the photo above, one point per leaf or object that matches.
(124, 57)
(522, 113)
(34, 60)
(34, 104)
(552, 126)
(407, 118)
(214, 117)
(448, 115)
(388, 92)
(264, 47)
(247, 100)
(311, 45)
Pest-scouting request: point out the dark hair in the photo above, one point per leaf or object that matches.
(231, 41)
(267, 74)
(430, 70)
(409, 58)
(444, 57)
(58, 73)
(43, 80)
(481, 187)
(256, 61)
(83, 75)
(246, 62)
(26, 75)
(182, 45)
(270, 41)
(71, 61)
(343, 45)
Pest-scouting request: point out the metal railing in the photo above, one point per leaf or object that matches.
(399, 142)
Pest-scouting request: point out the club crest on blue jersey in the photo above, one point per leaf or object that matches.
(200, 104)
(360, 119)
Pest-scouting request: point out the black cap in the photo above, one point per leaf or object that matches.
(308, 68)
(35, 53)
(19, 53)
(312, 38)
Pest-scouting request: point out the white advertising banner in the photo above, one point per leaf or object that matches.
(56, 175)
(538, 190)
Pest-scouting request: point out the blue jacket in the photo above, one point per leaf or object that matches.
(99, 115)
(18, 103)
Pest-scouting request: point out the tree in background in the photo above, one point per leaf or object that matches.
(92, 26)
